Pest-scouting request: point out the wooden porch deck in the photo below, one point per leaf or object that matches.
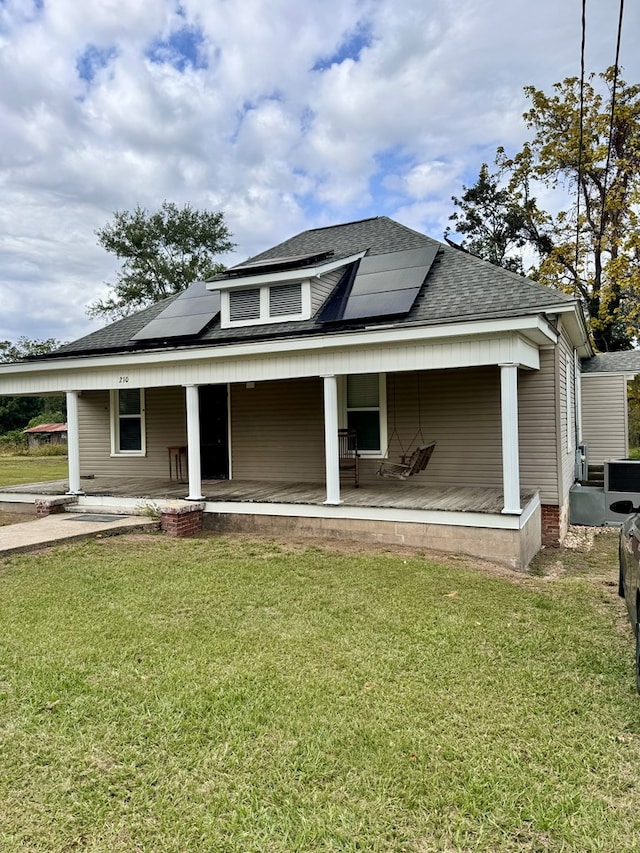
(387, 493)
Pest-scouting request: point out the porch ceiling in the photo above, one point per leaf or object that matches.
(386, 494)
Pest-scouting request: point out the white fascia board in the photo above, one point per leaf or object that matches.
(626, 375)
(525, 329)
(285, 275)
(576, 327)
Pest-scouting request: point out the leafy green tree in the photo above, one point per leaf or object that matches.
(17, 412)
(161, 252)
(591, 246)
(498, 220)
(26, 348)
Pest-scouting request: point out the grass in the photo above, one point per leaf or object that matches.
(15, 470)
(218, 694)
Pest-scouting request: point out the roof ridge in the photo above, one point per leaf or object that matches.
(341, 225)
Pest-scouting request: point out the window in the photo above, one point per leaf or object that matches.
(127, 422)
(274, 303)
(244, 304)
(366, 411)
(285, 299)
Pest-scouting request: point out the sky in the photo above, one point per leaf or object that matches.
(284, 115)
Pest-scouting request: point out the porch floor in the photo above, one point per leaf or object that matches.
(386, 493)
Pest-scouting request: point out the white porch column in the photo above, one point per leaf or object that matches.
(193, 443)
(331, 449)
(510, 446)
(73, 443)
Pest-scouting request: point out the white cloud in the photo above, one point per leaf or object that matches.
(293, 115)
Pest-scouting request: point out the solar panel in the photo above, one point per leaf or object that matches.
(385, 303)
(186, 316)
(273, 264)
(381, 285)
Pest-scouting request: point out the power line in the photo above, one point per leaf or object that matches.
(584, 8)
(611, 120)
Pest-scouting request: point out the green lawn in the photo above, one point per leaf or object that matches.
(31, 469)
(218, 694)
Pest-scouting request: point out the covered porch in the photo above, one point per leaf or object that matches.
(382, 494)
(462, 519)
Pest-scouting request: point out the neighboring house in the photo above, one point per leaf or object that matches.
(38, 436)
(369, 325)
(605, 419)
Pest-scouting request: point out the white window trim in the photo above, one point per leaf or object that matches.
(115, 425)
(225, 307)
(382, 409)
(569, 387)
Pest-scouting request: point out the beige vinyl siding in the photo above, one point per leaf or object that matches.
(277, 431)
(460, 410)
(322, 288)
(165, 426)
(604, 416)
(537, 428)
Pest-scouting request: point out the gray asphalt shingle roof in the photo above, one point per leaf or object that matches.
(613, 362)
(458, 287)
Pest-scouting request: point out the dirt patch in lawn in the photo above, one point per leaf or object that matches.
(15, 517)
(590, 552)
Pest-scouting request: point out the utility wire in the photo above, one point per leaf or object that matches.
(584, 10)
(611, 119)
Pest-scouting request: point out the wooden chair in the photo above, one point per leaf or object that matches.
(348, 454)
(417, 462)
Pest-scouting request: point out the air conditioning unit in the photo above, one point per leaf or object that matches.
(582, 463)
(621, 483)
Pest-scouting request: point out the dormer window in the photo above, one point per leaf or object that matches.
(244, 305)
(278, 290)
(275, 303)
(285, 299)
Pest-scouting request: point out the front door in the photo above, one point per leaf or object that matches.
(214, 430)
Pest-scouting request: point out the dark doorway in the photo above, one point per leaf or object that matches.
(214, 428)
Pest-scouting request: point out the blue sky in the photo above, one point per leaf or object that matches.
(288, 116)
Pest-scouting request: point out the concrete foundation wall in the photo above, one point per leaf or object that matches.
(514, 548)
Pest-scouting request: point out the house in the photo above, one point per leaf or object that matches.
(604, 379)
(240, 385)
(38, 436)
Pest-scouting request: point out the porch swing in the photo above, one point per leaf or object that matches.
(411, 461)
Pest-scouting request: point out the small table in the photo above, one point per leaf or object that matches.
(176, 455)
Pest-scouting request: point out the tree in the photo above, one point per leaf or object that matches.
(16, 412)
(26, 348)
(591, 247)
(497, 220)
(162, 254)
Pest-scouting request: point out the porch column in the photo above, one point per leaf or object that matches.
(331, 450)
(73, 443)
(510, 447)
(193, 443)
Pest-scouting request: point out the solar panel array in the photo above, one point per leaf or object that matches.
(282, 263)
(186, 316)
(381, 285)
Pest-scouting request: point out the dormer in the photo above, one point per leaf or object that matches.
(277, 290)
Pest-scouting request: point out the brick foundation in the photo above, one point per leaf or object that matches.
(52, 506)
(555, 523)
(184, 520)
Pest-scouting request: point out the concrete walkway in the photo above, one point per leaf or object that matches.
(65, 527)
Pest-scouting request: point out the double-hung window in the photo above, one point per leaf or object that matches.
(127, 422)
(365, 411)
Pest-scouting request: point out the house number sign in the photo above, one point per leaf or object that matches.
(123, 380)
